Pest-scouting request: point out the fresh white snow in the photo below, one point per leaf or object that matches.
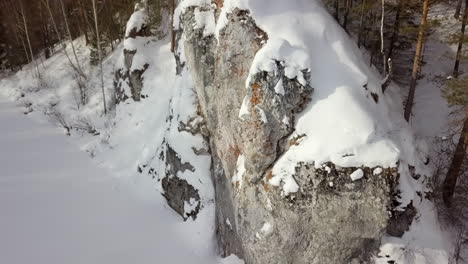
(115, 214)
(377, 171)
(267, 228)
(262, 114)
(205, 20)
(279, 88)
(240, 171)
(343, 124)
(57, 206)
(244, 110)
(356, 175)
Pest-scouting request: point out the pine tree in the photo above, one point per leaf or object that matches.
(454, 171)
(98, 43)
(456, 94)
(461, 40)
(396, 28)
(417, 60)
(458, 9)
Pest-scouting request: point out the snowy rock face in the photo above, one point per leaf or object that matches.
(169, 138)
(250, 116)
(178, 192)
(128, 81)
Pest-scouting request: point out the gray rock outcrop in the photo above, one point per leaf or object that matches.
(331, 219)
(128, 80)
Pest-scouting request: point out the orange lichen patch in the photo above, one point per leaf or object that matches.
(238, 71)
(268, 176)
(296, 141)
(234, 149)
(255, 98)
(219, 3)
(262, 37)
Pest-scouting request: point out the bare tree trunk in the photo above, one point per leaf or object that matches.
(372, 32)
(173, 36)
(98, 39)
(49, 9)
(457, 11)
(25, 49)
(396, 28)
(346, 15)
(368, 28)
(337, 11)
(382, 43)
(67, 27)
(19, 28)
(454, 170)
(460, 42)
(28, 40)
(361, 22)
(59, 36)
(45, 34)
(84, 17)
(417, 61)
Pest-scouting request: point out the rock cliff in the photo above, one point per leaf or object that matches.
(330, 210)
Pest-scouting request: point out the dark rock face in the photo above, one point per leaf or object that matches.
(128, 81)
(401, 220)
(125, 77)
(138, 32)
(179, 195)
(331, 219)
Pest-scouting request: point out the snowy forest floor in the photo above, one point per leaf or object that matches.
(432, 125)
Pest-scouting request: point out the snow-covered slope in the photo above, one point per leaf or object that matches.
(113, 212)
(58, 206)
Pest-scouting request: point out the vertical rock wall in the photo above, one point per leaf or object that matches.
(331, 219)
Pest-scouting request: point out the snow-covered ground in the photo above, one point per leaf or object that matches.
(57, 206)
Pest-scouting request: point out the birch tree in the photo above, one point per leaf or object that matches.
(67, 27)
(98, 39)
(361, 23)
(28, 39)
(382, 43)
